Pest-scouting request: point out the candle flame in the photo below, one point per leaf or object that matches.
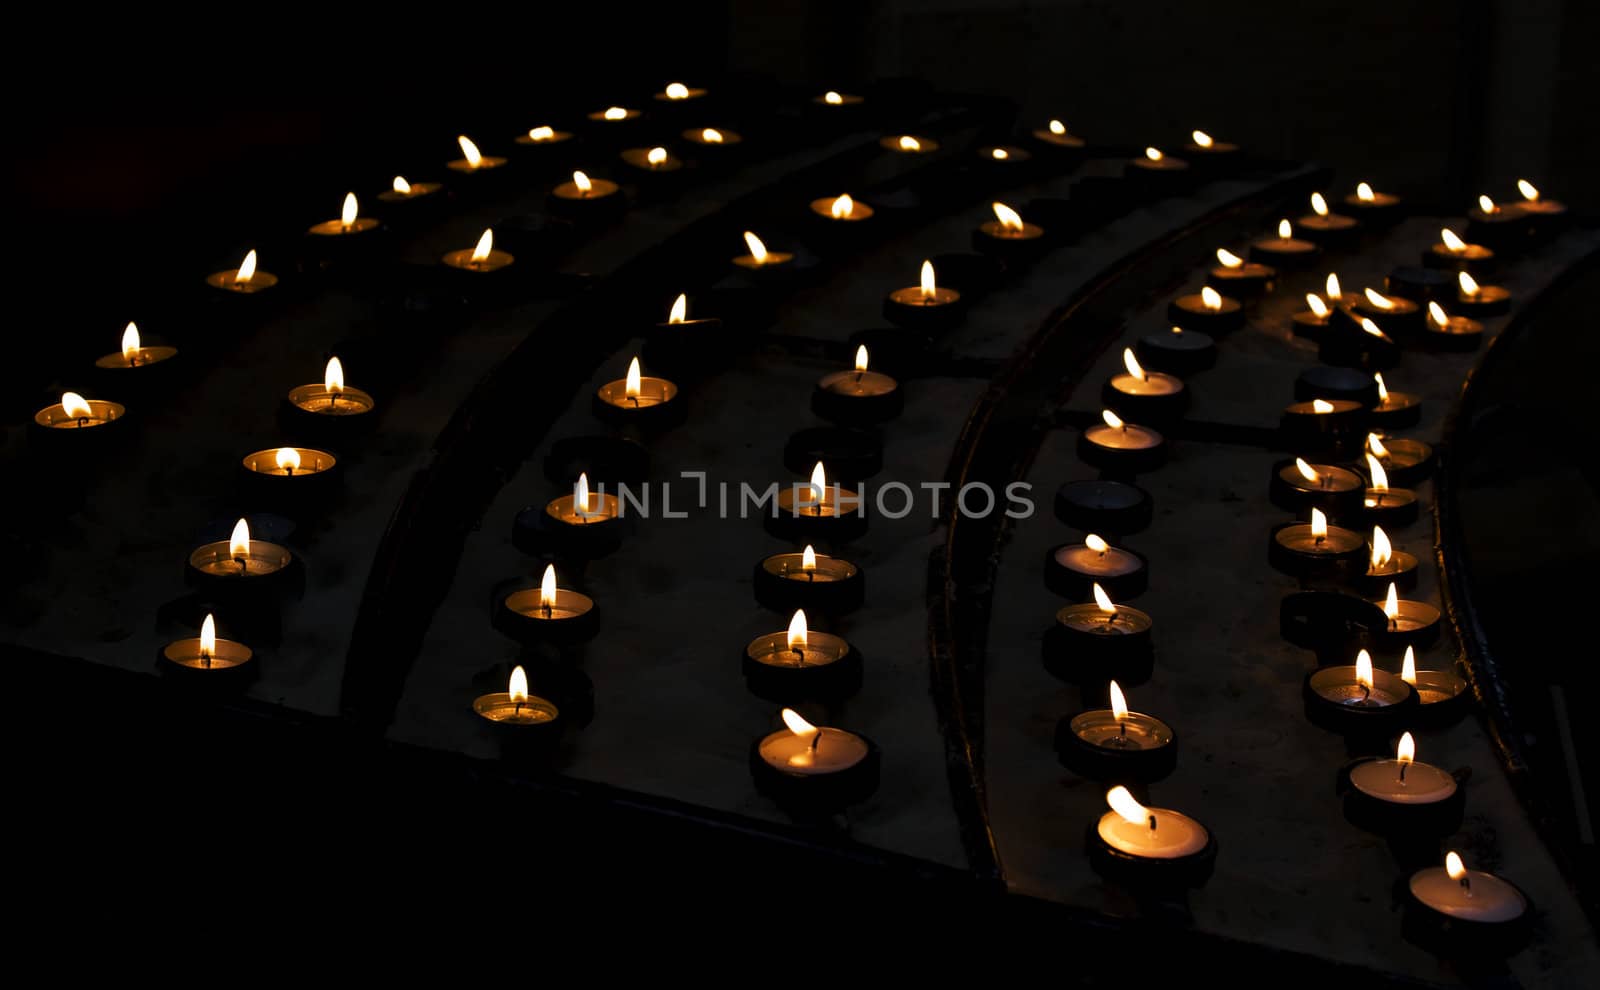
(1319, 205)
(1378, 299)
(469, 151)
(333, 376)
(348, 212)
(1319, 524)
(1306, 471)
(796, 724)
(808, 559)
(1408, 668)
(485, 246)
(999, 154)
(1210, 298)
(1391, 602)
(1202, 139)
(758, 250)
(909, 143)
(631, 387)
(239, 540)
(1469, 285)
(1317, 306)
(1452, 243)
(1382, 550)
(1406, 752)
(247, 267)
(1372, 328)
(401, 186)
(1119, 702)
(581, 500)
(1229, 259)
(1334, 290)
(547, 586)
(208, 636)
(1453, 867)
(75, 405)
(1103, 601)
(1383, 387)
(842, 207)
(861, 357)
(656, 156)
(1285, 229)
(1009, 219)
(581, 180)
(1436, 313)
(1321, 406)
(1375, 444)
(1124, 804)
(615, 113)
(1132, 364)
(1529, 191)
(1364, 669)
(832, 98)
(1112, 420)
(711, 135)
(543, 132)
(677, 91)
(518, 686)
(1153, 154)
(1380, 478)
(1095, 543)
(929, 288)
(680, 309)
(797, 630)
(819, 482)
(130, 341)
(1487, 205)
(1058, 128)
(287, 459)
(1364, 192)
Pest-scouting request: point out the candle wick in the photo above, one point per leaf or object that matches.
(82, 422)
(548, 608)
(800, 655)
(1122, 727)
(1466, 883)
(517, 709)
(1152, 823)
(1403, 766)
(815, 739)
(243, 560)
(1319, 538)
(289, 470)
(1366, 692)
(635, 400)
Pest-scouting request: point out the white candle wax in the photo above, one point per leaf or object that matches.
(1487, 898)
(1175, 835)
(1423, 784)
(835, 750)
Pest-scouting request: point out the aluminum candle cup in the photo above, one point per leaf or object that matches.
(1411, 623)
(1337, 700)
(816, 583)
(639, 402)
(1284, 251)
(1407, 461)
(1335, 490)
(208, 661)
(583, 525)
(76, 426)
(1149, 848)
(1146, 396)
(1158, 173)
(1117, 745)
(819, 512)
(927, 307)
(1088, 644)
(242, 569)
(295, 480)
(859, 397)
(1372, 208)
(331, 412)
(1445, 696)
(1453, 910)
(1239, 278)
(587, 200)
(1208, 311)
(1315, 549)
(1117, 446)
(1177, 351)
(547, 614)
(816, 770)
(525, 725)
(1072, 569)
(801, 665)
(1401, 798)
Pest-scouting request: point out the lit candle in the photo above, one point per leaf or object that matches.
(333, 398)
(759, 259)
(841, 209)
(1411, 623)
(857, 397)
(350, 221)
(926, 306)
(1207, 310)
(1323, 225)
(1454, 254)
(583, 525)
(1318, 423)
(473, 161)
(406, 200)
(639, 401)
(1312, 322)
(819, 512)
(1504, 228)
(1535, 202)
(1443, 694)
(1240, 277)
(1374, 208)
(835, 99)
(1008, 235)
(1150, 846)
(677, 92)
(1403, 780)
(801, 662)
(712, 139)
(1003, 154)
(1115, 743)
(1406, 460)
(1072, 569)
(520, 720)
(1470, 903)
(586, 198)
(1394, 410)
(285, 477)
(75, 414)
(909, 144)
(138, 369)
(1202, 147)
(1055, 135)
(548, 613)
(1099, 640)
(1314, 548)
(245, 280)
(1299, 486)
(239, 562)
(655, 161)
(809, 580)
(208, 657)
(1150, 395)
(482, 258)
(1157, 167)
(1178, 351)
(1382, 504)
(1357, 699)
(813, 768)
(543, 136)
(1114, 444)
(689, 348)
(1285, 250)
(584, 508)
(1394, 313)
(615, 116)
(1481, 300)
(134, 353)
(1386, 565)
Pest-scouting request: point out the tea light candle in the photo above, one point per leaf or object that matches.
(1407, 461)
(1394, 410)
(1099, 640)
(1202, 147)
(1386, 565)
(615, 116)
(1402, 796)
(548, 613)
(761, 260)
(1481, 300)
(1443, 694)
(1004, 154)
(543, 136)
(1320, 422)
(1535, 202)
(1505, 228)
(1451, 333)
(1116, 445)
(834, 98)
(1299, 486)
(928, 306)
(677, 92)
(1468, 904)
(638, 400)
(1055, 135)
(585, 198)
(1240, 277)
(1008, 235)
(841, 209)
(1207, 310)
(1314, 548)
(818, 512)
(332, 407)
(1178, 351)
(1391, 312)
(1117, 744)
(1285, 250)
(519, 719)
(655, 160)
(239, 563)
(584, 509)
(1114, 507)
(1382, 504)
(584, 525)
(857, 397)
(1374, 208)
(814, 769)
(134, 353)
(246, 280)
(1072, 569)
(801, 664)
(472, 161)
(1358, 342)
(1149, 847)
(713, 139)
(75, 414)
(349, 224)
(291, 477)
(1149, 395)
(1155, 167)
(208, 659)
(688, 346)
(1312, 322)
(1357, 699)
(1326, 227)
(1455, 254)
(1410, 623)
(908, 144)
(811, 581)
(482, 259)
(402, 191)
(1419, 284)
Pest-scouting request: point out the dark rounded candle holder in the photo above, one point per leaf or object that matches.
(846, 454)
(1285, 254)
(1421, 285)
(790, 685)
(1129, 581)
(1302, 428)
(841, 594)
(1434, 820)
(1445, 697)
(1243, 281)
(1476, 260)
(1401, 571)
(1079, 656)
(1350, 346)
(75, 441)
(1310, 326)
(689, 349)
(535, 742)
(1462, 938)
(1190, 312)
(142, 383)
(611, 407)
(1326, 622)
(1182, 353)
(829, 530)
(607, 460)
(812, 794)
(906, 310)
(1111, 763)
(1506, 231)
(1395, 508)
(1408, 461)
(1336, 384)
(1382, 210)
(594, 210)
(1102, 506)
(838, 404)
(573, 619)
(1292, 550)
(1121, 460)
(1378, 721)
(285, 580)
(1014, 249)
(535, 531)
(1490, 300)
(1146, 874)
(1341, 501)
(1157, 407)
(1460, 334)
(339, 431)
(310, 489)
(1402, 319)
(1397, 412)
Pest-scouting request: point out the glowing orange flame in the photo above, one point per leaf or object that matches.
(680, 309)
(1058, 128)
(1103, 601)
(1383, 387)
(656, 156)
(808, 559)
(1372, 328)
(1364, 669)
(1306, 471)
(1436, 313)
(1391, 602)
(247, 267)
(1317, 306)
(1095, 543)
(1202, 139)
(333, 376)
(832, 98)
(287, 459)
(711, 135)
(1380, 478)
(1408, 668)
(1321, 406)
(348, 213)
(1229, 259)
(1210, 298)
(819, 483)
(1123, 803)
(677, 91)
(796, 724)
(1487, 205)
(1406, 752)
(208, 637)
(1132, 364)
(1529, 191)
(1153, 154)
(469, 151)
(1285, 229)
(1334, 290)
(615, 113)
(930, 290)
(861, 357)
(843, 206)
(1112, 420)
(1119, 702)
(1378, 299)
(797, 630)
(582, 501)
(1319, 205)
(1452, 243)
(1453, 867)
(485, 245)
(130, 342)
(1319, 524)
(1382, 550)
(999, 154)
(909, 143)
(1364, 193)
(75, 405)
(1009, 219)
(1469, 285)
(547, 586)
(544, 132)
(630, 388)
(239, 540)
(518, 686)
(758, 250)
(581, 180)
